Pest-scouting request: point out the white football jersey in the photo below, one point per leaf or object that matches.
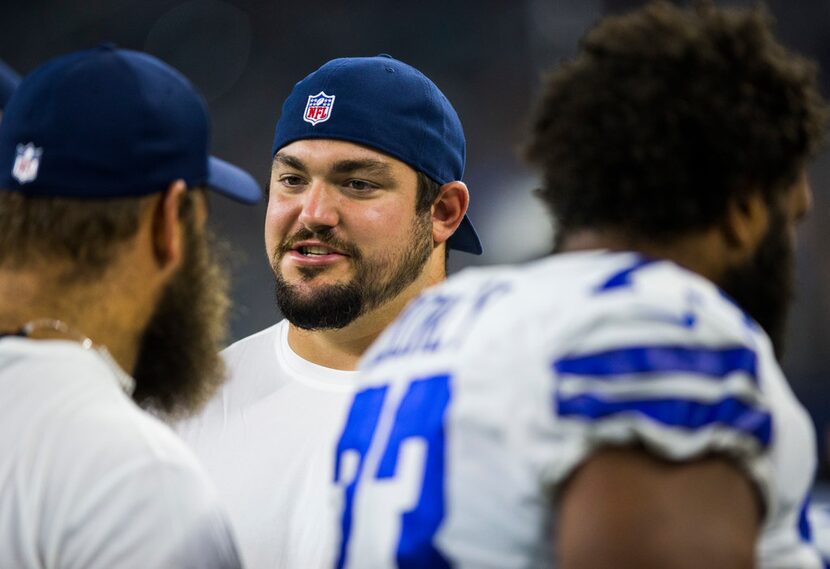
(489, 390)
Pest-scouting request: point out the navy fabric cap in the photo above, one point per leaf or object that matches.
(9, 79)
(385, 104)
(108, 122)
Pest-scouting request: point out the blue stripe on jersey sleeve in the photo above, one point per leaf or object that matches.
(680, 413)
(711, 362)
(805, 529)
(622, 279)
(804, 522)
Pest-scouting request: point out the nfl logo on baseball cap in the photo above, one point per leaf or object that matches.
(26, 162)
(318, 108)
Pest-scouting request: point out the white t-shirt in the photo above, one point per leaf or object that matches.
(267, 441)
(489, 390)
(87, 479)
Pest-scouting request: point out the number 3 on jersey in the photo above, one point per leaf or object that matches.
(409, 470)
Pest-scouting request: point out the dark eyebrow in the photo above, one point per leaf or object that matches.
(370, 166)
(367, 165)
(290, 161)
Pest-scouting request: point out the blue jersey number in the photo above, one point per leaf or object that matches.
(419, 415)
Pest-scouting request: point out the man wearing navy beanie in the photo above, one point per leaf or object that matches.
(110, 298)
(365, 200)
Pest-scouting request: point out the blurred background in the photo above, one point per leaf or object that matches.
(486, 55)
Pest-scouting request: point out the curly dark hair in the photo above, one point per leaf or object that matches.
(666, 114)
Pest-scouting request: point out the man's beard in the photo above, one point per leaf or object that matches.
(763, 286)
(178, 366)
(375, 282)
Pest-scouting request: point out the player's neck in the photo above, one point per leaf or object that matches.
(342, 348)
(700, 252)
(94, 311)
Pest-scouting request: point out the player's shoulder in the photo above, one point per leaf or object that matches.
(92, 453)
(116, 430)
(252, 364)
(123, 447)
(637, 291)
(252, 369)
(255, 345)
(441, 317)
(646, 352)
(91, 426)
(559, 304)
(557, 279)
(584, 287)
(481, 306)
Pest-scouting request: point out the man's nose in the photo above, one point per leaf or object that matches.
(320, 207)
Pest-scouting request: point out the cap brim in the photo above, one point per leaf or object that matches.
(233, 182)
(9, 79)
(465, 238)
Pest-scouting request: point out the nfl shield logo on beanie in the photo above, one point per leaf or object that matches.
(318, 108)
(26, 162)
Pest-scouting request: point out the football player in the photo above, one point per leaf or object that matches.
(618, 404)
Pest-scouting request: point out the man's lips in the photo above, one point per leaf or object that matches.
(314, 253)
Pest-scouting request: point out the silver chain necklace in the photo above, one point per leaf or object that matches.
(125, 381)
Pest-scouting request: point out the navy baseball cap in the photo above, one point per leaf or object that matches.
(108, 122)
(9, 79)
(387, 105)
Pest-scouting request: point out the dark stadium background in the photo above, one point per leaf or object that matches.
(486, 55)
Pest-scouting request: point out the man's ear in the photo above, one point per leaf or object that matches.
(448, 210)
(168, 232)
(746, 223)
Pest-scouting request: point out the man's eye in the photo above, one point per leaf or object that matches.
(291, 180)
(360, 185)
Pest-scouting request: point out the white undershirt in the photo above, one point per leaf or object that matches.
(87, 479)
(267, 439)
